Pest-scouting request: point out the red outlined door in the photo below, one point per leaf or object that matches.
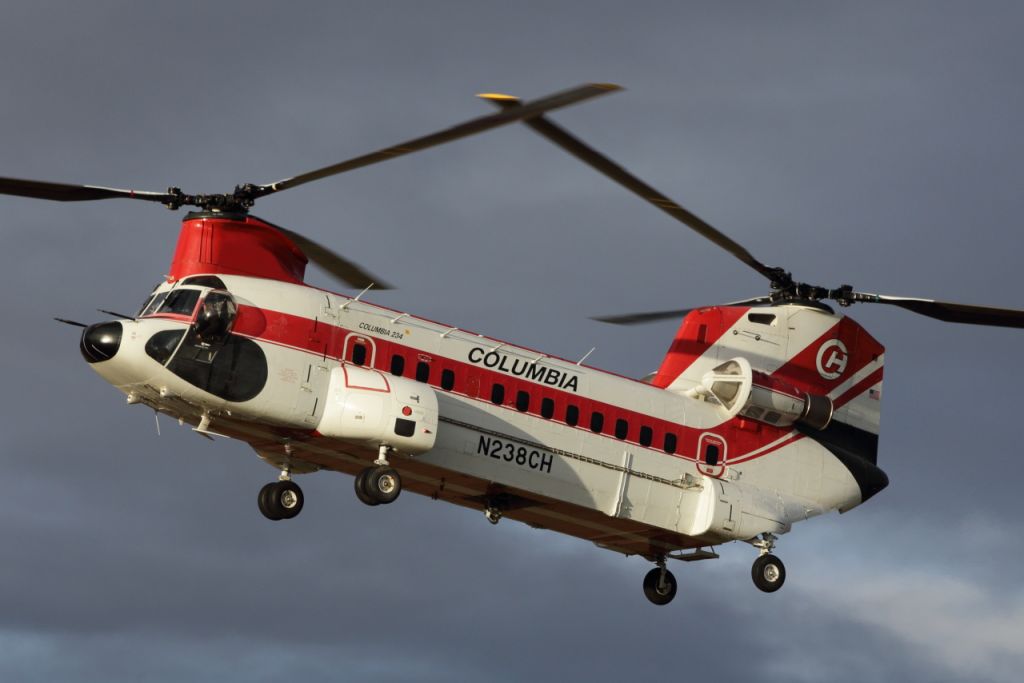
(360, 350)
(712, 452)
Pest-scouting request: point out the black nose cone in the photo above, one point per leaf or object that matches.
(100, 341)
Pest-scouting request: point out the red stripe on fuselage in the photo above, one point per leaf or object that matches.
(475, 381)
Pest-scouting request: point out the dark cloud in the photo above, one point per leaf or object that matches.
(871, 144)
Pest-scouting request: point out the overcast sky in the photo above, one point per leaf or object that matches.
(876, 144)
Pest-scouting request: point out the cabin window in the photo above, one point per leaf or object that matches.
(596, 422)
(522, 401)
(646, 436)
(547, 408)
(397, 365)
(621, 429)
(359, 353)
(447, 379)
(423, 372)
(711, 454)
(497, 394)
(670, 443)
(572, 415)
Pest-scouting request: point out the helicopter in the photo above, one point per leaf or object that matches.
(763, 413)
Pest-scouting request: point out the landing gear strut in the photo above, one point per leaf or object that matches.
(493, 514)
(380, 484)
(659, 584)
(281, 499)
(768, 571)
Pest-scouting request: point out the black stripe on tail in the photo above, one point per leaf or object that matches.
(857, 449)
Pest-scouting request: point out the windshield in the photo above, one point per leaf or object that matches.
(177, 301)
(153, 304)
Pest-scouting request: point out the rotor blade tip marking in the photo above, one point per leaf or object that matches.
(497, 96)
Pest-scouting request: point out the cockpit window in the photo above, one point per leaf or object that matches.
(153, 304)
(161, 346)
(180, 302)
(215, 318)
(149, 299)
(144, 306)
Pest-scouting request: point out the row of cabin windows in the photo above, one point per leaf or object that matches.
(522, 402)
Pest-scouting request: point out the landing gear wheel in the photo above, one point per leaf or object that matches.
(382, 484)
(768, 573)
(361, 492)
(660, 589)
(280, 500)
(262, 500)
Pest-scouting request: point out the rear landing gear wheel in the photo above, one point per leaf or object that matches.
(660, 586)
(768, 573)
(378, 485)
(280, 500)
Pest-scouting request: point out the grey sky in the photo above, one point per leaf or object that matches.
(850, 142)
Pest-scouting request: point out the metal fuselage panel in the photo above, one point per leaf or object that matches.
(536, 436)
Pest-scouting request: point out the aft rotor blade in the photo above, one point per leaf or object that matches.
(600, 162)
(341, 268)
(471, 127)
(62, 192)
(654, 316)
(951, 312)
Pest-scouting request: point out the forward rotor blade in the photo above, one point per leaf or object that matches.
(61, 192)
(951, 312)
(341, 268)
(654, 316)
(477, 125)
(598, 161)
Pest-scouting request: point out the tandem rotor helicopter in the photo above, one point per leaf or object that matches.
(763, 412)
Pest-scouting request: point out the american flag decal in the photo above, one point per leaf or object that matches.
(875, 394)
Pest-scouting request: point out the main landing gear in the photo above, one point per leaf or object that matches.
(768, 571)
(379, 484)
(659, 584)
(281, 499)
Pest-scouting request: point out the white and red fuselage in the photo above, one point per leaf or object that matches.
(316, 380)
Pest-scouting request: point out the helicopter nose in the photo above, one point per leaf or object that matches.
(100, 341)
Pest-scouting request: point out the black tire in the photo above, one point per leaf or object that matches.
(265, 504)
(768, 573)
(288, 499)
(661, 596)
(383, 484)
(361, 493)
